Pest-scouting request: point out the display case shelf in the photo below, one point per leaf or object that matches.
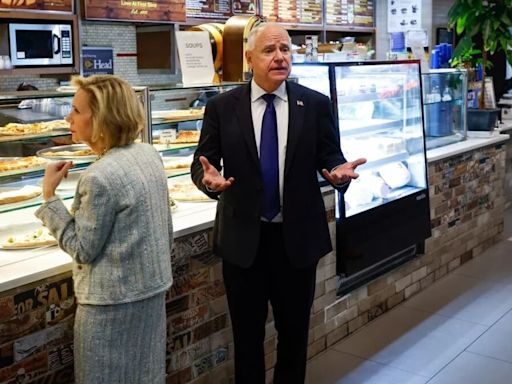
(32, 138)
(453, 101)
(358, 98)
(389, 159)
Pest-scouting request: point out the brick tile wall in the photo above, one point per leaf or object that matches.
(467, 203)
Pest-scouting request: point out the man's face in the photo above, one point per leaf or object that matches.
(271, 58)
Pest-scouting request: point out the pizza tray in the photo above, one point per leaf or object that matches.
(47, 153)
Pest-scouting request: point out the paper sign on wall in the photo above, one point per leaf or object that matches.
(195, 55)
(404, 15)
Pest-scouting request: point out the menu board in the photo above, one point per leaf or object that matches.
(307, 12)
(38, 5)
(352, 13)
(136, 10)
(219, 9)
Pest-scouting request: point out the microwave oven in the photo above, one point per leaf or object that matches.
(40, 44)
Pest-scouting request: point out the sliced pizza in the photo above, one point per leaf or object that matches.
(14, 164)
(41, 237)
(187, 192)
(16, 195)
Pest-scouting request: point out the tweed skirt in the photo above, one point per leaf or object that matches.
(121, 344)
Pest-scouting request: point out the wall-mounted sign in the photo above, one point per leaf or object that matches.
(196, 59)
(135, 10)
(97, 61)
(38, 5)
(307, 12)
(350, 13)
(220, 9)
(404, 15)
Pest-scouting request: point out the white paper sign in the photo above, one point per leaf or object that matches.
(404, 15)
(168, 136)
(195, 55)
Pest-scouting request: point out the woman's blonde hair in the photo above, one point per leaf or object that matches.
(117, 115)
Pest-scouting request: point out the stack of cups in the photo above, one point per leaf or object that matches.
(441, 56)
(435, 59)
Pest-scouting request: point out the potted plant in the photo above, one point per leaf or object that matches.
(484, 27)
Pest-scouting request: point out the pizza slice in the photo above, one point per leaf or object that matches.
(41, 237)
(21, 194)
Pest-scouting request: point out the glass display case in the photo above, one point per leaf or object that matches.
(176, 121)
(379, 116)
(33, 131)
(30, 122)
(445, 104)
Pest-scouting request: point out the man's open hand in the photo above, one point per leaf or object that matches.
(212, 177)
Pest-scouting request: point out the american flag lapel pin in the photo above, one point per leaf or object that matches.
(300, 103)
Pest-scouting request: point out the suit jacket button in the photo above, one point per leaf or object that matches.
(79, 267)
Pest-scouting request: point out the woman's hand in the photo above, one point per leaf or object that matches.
(53, 175)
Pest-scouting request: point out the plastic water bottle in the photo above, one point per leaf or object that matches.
(436, 94)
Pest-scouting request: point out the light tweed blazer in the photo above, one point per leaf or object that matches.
(119, 233)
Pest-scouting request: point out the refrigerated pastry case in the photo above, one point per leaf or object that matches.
(383, 218)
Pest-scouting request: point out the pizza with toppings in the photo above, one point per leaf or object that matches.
(184, 137)
(80, 152)
(18, 129)
(187, 192)
(183, 114)
(177, 163)
(41, 237)
(20, 163)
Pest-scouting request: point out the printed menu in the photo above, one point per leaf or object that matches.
(307, 12)
(354, 13)
(219, 9)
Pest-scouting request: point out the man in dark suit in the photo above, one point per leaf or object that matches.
(269, 138)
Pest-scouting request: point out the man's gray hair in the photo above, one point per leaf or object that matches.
(251, 39)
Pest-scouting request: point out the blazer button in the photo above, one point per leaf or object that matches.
(79, 267)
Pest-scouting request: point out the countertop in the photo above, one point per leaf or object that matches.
(25, 266)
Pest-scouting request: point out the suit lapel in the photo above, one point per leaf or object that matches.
(296, 109)
(244, 117)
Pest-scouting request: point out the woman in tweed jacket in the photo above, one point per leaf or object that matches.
(119, 234)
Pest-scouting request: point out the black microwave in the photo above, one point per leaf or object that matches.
(40, 44)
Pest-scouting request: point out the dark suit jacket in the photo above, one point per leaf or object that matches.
(227, 140)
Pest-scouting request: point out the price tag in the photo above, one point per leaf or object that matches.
(168, 136)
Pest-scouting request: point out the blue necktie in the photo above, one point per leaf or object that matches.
(269, 160)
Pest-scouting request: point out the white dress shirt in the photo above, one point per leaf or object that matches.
(258, 106)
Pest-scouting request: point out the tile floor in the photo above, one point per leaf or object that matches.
(459, 330)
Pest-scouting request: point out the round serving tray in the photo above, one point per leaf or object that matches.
(65, 152)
